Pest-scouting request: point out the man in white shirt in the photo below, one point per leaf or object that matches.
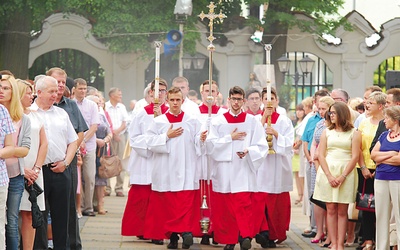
(119, 118)
(62, 141)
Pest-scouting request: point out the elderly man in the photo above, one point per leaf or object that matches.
(62, 141)
(119, 119)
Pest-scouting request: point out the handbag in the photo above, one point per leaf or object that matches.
(353, 213)
(110, 165)
(365, 202)
(34, 191)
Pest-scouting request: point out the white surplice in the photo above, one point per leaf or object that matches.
(275, 174)
(230, 173)
(174, 159)
(140, 165)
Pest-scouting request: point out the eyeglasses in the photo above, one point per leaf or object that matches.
(162, 90)
(254, 98)
(234, 99)
(6, 88)
(332, 113)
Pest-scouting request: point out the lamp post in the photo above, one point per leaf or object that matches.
(183, 9)
(306, 67)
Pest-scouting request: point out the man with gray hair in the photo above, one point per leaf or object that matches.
(62, 141)
(340, 95)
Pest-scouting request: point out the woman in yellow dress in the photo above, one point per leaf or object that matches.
(336, 181)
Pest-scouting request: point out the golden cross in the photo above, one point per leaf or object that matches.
(211, 16)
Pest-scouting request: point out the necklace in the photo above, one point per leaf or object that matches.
(393, 136)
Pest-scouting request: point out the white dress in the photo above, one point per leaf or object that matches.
(30, 159)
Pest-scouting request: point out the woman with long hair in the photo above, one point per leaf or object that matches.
(336, 181)
(9, 97)
(6, 151)
(33, 163)
(297, 148)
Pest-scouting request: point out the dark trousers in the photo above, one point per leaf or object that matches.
(368, 219)
(57, 191)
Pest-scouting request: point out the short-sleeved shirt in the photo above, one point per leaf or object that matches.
(386, 171)
(118, 115)
(59, 132)
(75, 115)
(6, 128)
(309, 129)
(90, 112)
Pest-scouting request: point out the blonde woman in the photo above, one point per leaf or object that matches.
(6, 151)
(33, 163)
(10, 98)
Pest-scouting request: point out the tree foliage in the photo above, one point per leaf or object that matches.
(132, 25)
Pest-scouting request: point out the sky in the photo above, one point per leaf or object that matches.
(376, 12)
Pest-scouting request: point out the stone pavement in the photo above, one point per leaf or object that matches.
(104, 231)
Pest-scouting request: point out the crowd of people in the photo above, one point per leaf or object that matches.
(228, 165)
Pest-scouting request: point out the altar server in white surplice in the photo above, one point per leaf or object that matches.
(204, 170)
(236, 142)
(140, 166)
(274, 177)
(173, 137)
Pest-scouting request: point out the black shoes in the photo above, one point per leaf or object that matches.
(187, 240)
(205, 240)
(88, 213)
(229, 247)
(245, 244)
(173, 241)
(157, 242)
(262, 239)
(309, 235)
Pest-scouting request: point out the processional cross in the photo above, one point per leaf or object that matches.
(205, 221)
(211, 16)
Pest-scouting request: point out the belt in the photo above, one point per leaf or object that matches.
(48, 165)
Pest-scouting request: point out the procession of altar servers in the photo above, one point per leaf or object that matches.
(173, 177)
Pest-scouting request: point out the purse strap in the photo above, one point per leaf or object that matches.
(363, 190)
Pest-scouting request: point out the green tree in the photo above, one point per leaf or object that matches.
(132, 25)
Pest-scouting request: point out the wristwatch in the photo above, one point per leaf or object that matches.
(66, 165)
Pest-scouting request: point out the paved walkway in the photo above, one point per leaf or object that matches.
(103, 231)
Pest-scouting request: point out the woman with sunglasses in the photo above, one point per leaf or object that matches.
(336, 181)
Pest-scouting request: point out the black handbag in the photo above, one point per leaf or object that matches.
(365, 202)
(34, 191)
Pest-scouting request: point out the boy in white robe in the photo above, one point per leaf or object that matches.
(140, 166)
(173, 137)
(274, 178)
(236, 142)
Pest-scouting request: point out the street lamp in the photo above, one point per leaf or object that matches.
(198, 61)
(183, 9)
(306, 67)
